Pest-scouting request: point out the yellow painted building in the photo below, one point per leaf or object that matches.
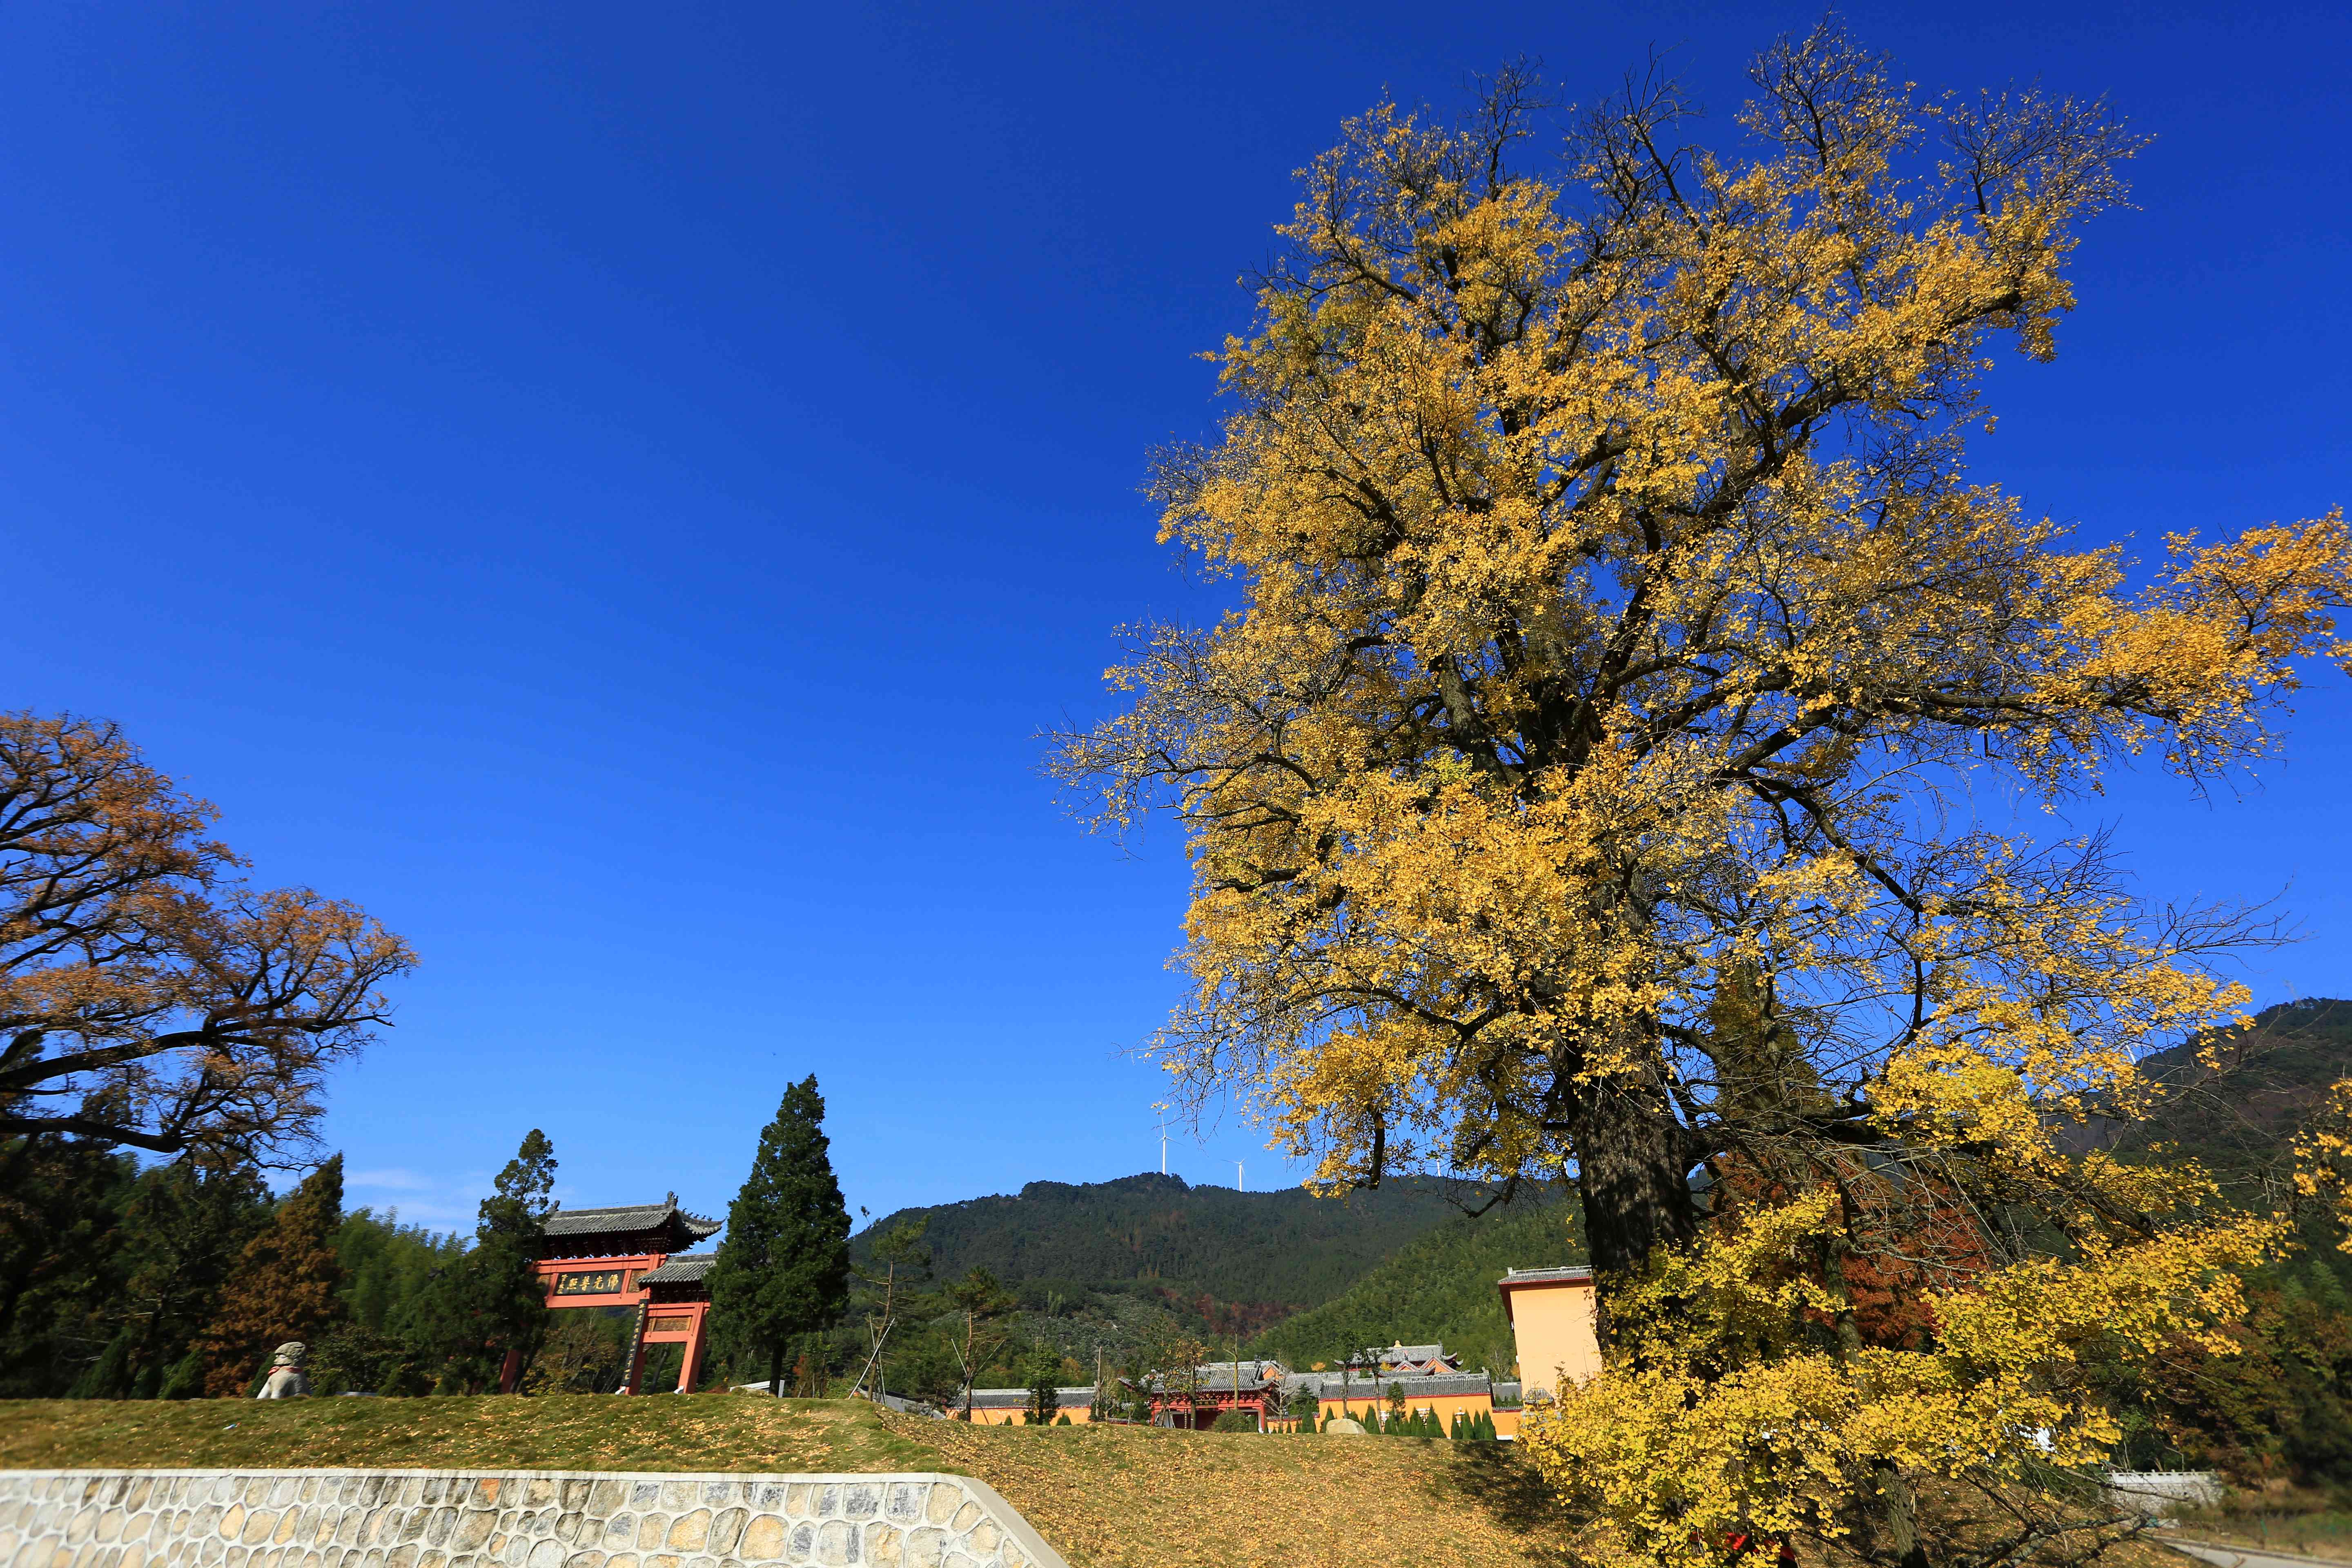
(1010, 1407)
(1550, 1312)
(1467, 1394)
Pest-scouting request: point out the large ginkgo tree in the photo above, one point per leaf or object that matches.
(1622, 763)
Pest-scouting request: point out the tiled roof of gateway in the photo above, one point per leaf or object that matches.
(627, 1218)
(679, 1270)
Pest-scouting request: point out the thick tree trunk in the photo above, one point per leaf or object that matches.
(776, 1368)
(1631, 1176)
(1900, 1512)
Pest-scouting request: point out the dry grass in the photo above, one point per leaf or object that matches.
(560, 1432)
(2301, 1520)
(1128, 1497)
(1105, 1497)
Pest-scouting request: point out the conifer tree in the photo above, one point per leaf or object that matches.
(489, 1303)
(783, 1269)
(284, 1285)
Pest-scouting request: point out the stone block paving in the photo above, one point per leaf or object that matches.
(437, 1519)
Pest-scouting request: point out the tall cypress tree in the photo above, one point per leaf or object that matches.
(783, 1269)
(284, 1285)
(489, 1303)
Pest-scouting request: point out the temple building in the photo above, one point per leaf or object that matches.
(1550, 1312)
(1411, 1379)
(1407, 1380)
(634, 1257)
(1257, 1387)
(1010, 1407)
(1418, 1360)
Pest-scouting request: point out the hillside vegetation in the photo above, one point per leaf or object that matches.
(1285, 1249)
(1439, 1285)
(2237, 1114)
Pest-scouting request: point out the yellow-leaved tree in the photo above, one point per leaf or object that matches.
(1590, 780)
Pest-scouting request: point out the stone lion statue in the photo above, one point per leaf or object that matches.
(285, 1380)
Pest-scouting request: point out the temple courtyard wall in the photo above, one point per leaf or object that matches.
(513, 1518)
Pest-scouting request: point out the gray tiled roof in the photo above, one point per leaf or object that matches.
(1412, 1352)
(1574, 1273)
(1018, 1398)
(1332, 1385)
(1219, 1375)
(628, 1217)
(1417, 1385)
(681, 1270)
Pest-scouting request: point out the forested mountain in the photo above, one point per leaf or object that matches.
(1439, 1285)
(1281, 1250)
(2233, 1101)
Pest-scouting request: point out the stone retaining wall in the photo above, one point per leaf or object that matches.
(517, 1519)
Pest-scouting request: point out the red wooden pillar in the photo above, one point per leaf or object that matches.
(633, 1383)
(689, 1366)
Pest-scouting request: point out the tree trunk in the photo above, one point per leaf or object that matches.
(775, 1369)
(1900, 1512)
(1630, 1175)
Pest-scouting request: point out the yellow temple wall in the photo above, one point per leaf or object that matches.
(1553, 1322)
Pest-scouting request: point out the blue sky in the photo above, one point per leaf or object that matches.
(616, 492)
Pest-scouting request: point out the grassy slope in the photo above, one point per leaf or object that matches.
(568, 1432)
(1106, 1497)
(1129, 1497)
(1439, 1285)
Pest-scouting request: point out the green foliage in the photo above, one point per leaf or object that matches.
(1044, 1380)
(1439, 1285)
(1276, 1250)
(488, 1301)
(186, 1378)
(2279, 1407)
(783, 1269)
(61, 1204)
(285, 1285)
(585, 1351)
(388, 1269)
(352, 1358)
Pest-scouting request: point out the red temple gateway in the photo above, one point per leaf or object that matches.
(635, 1256)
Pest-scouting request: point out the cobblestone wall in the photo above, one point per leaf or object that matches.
(450, 1519)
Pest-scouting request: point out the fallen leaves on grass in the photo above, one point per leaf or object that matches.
(562, 1432)
(1126, 1497)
